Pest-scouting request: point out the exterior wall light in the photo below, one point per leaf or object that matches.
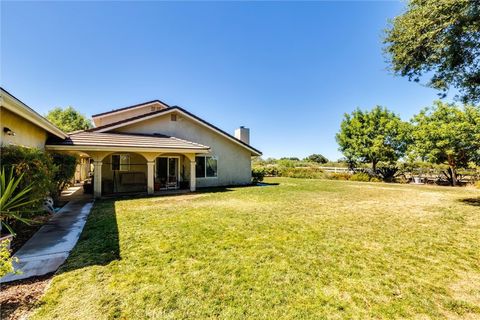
(8, 131)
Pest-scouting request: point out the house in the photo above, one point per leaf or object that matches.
(151, 147)
(22, 126)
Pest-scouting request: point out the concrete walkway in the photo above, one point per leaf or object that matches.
(50, 246)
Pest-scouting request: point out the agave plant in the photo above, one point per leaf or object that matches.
(12, 200)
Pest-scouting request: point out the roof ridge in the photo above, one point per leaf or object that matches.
(130, 107)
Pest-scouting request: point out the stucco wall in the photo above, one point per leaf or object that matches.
(234, 161)
(26, 133)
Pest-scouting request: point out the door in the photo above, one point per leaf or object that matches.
(172, 173)
(167, 172)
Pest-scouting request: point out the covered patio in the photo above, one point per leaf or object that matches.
(126, 163)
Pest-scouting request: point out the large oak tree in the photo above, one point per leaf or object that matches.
(440, 39)
(447, 134)
(373, 136)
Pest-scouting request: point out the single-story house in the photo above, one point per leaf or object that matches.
(22, 126)
(151, 147)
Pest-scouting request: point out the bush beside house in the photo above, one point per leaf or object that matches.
(51, 172)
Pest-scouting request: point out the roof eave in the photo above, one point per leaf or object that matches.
(86, 148)
(16, 106)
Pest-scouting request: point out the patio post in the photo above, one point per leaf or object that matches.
(150, 176)
(192, 175)
(97, 174)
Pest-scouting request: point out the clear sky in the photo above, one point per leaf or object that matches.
(287, 70)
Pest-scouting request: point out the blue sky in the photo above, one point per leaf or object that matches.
(287, 70)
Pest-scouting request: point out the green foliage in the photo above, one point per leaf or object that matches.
(339, 176)
(373, 136)
(318, 158)
(6, 260)
(257, 174)
(13, 199)
(387, 171)
(65, 172)
(49, 172)
(35, 165)
(360, 176)
(447, 134)
(303, 172)
(441, 38)
(68, 119)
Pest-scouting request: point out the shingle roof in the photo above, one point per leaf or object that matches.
(159, 141)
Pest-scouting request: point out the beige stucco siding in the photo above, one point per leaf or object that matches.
(233, 160)
(26, 133)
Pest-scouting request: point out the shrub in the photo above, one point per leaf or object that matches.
(12, 199)
(339, 176)
(65, 170)
(360, 176)
(257, 174)
(303, 172)
(477, 184)
(36, 166)
(49, 173)
(6, 260)
(375, 179)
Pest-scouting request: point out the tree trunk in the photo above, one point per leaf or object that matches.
(452, 170)
(374, 166)
(453, 174)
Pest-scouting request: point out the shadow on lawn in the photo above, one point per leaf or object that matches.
(99, 242)
(471, 201)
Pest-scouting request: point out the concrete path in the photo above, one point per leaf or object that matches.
(50, 246)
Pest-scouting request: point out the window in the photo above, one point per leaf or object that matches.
(173, 117)
(206, 167)
(121, 162)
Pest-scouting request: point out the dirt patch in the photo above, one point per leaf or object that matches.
(19, 297)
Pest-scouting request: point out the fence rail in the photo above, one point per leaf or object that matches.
(336, 169)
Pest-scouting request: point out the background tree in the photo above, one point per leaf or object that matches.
(447, 134)
(318, 158)
(441, 38)
(68, 119)
(373, 136)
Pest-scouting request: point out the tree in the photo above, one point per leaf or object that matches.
(447, 134)
(318, 158)
(373, 136)
(68, 119)
(441, 38)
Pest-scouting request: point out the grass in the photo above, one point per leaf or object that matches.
(303, 249)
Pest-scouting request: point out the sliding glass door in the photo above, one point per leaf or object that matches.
(167, 172)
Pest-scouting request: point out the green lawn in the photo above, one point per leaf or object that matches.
(303, 249)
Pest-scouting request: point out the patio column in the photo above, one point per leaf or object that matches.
(193, 177)
(97, 175)
(150, 176)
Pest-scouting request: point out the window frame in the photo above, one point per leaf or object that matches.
(205, 167)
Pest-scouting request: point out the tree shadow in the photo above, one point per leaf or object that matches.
(99, 241)
(266, 184)
(471, 201)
